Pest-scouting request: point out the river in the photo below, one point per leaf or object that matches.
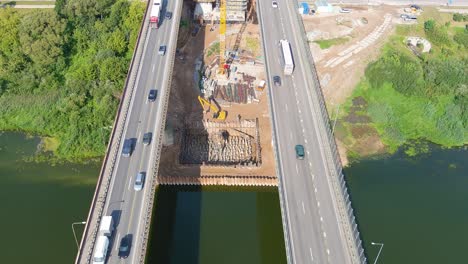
(416, 206)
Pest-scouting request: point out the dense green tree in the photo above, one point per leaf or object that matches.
(42, 37)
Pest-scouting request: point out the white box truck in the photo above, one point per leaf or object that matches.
(100, 251)
(155, 13)
(107, 226)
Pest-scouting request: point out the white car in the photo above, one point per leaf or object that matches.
(274, 4)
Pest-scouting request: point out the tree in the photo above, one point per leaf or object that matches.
(42, 37)
(429, 25)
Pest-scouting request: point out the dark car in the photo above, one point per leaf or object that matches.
(168, 15)
(162, 50)
(124, 248)
(299, 152)
(277, 80)
(152, 95)
(127, 147)
(147, 138)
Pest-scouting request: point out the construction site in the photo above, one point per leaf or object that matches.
(218, 127)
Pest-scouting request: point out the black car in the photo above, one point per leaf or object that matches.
(127, 147)
(147, 138)
(124, 248)
(168, 15)
(277, 80)
(152, 95)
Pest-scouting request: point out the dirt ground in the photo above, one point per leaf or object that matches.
(184, 108)
(341, 67)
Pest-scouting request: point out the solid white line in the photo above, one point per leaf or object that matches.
(117, 242)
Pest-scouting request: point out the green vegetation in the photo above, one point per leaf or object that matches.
(62, 71)
(213, 49)
(327, 43)
(460, 17)
(411, 98)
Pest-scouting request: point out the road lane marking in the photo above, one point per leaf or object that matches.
(153, 67)
(321, 219)
(303, 208)
(286, 106)
(297, 169)
(324, 234)
(129, 182)
(328, 251)
(117, 241)
(318, 203)
(290, 136)
(311, 256)
(305, 140)
(315, 189)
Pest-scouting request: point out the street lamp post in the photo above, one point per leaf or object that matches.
(74, 234)
(380, 250)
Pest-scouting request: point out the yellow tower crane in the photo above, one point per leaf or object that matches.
(218, 113)
(222, 35)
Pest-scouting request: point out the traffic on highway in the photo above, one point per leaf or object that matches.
(120, 226)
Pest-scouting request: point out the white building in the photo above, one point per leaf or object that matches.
(235, 10)
(322, 6)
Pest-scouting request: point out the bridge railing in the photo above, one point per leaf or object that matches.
(107, 169)
(153, 180)
(335, 168)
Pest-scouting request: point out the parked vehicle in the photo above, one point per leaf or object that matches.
(274, 4)
(168, 15)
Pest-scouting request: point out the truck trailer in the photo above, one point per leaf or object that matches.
(107, 226)
(155, 13)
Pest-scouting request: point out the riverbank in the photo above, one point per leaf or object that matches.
(63, 72)
(409, 96)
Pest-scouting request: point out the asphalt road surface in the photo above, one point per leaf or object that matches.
(124, 203)
(307, 198)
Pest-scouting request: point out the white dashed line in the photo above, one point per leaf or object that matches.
(311, 256)
(153, 68)
(303, 208)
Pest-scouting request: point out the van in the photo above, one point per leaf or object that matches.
(100, 251)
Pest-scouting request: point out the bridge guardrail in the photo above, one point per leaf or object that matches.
(150, 197)
(335, 167)
(100, 195)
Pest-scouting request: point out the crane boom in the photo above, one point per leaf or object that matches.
(222, 35)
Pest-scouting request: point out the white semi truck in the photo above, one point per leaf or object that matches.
(106, 229)
(287, 58)
(155, 13)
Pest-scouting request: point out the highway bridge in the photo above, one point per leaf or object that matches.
(318, 220)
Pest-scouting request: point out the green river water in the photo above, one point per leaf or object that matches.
(417, 207)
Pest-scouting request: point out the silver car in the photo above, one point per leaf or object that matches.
(139, 181)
